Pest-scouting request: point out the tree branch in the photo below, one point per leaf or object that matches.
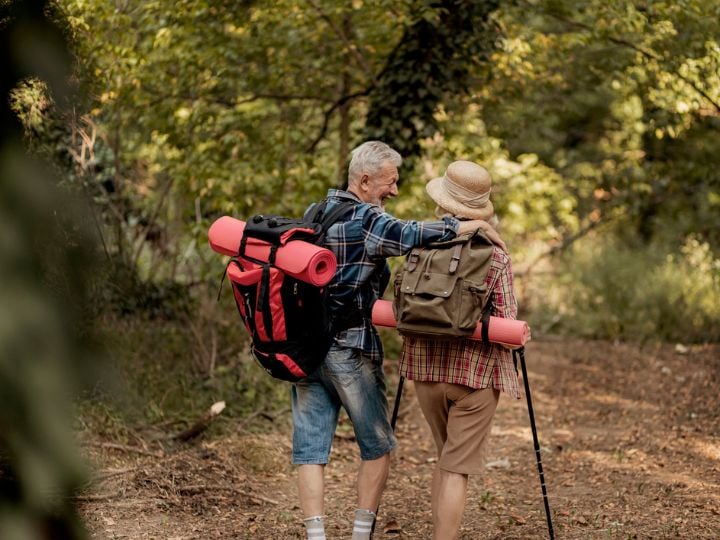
(562, 246)
(127, 448)
(328, 114)
(229, 101)
(142, 237)
(345, 39)
(201, 424)
(647, 54)
(195, 489)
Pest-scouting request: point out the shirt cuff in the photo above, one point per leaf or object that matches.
(452, 223)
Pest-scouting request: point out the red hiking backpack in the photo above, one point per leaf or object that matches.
(288, 319)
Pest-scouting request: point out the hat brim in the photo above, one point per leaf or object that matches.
(443, 199)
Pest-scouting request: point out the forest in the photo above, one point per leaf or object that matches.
(127, 128)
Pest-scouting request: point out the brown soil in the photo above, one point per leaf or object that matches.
(630, 447)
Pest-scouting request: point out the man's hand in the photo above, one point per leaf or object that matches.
(484, 226)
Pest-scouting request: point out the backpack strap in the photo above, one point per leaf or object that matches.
(316, 212)
(349, 316)
(326, 220)
(263, 301)
(455, 258)
(412, 260)
(486, 319)
(222, 279)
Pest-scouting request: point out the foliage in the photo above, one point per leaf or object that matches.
(615, 291)
(622, 99)
(46, 338)
(168, 372)
(199, 110)
(433, 59)
(584, 112)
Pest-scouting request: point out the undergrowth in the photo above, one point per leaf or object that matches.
(609, 290)
(165, 373)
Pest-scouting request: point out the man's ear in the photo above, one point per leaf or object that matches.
(364, 182)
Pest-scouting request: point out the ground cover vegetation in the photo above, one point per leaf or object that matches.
(599, 121)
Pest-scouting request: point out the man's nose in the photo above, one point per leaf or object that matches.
(394, 190)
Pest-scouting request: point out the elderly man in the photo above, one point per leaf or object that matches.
(352, 375)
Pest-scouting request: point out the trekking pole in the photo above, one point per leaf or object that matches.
(393, 421)
(396, 407)
(521, 352)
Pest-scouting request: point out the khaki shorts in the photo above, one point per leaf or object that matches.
(460, 418)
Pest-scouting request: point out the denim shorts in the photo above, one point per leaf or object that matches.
(349, 379)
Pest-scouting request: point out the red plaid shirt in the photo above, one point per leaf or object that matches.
(468, 362)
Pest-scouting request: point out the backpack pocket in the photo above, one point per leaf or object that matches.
(291, 360)
(471, 302)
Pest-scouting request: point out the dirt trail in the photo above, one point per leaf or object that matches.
(630, 446)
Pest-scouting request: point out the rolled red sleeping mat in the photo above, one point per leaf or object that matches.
(301, 260)
(508, 332)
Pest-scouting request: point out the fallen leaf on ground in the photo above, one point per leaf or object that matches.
(393, 527)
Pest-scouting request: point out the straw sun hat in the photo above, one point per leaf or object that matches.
(464, 190)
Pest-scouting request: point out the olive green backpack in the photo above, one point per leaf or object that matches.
(440, 292)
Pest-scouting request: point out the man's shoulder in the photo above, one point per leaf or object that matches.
(340, 195)
(361, 210)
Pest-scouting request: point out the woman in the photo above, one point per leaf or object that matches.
(458, 382)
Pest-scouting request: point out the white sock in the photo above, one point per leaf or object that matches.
(315, 528)
(363, 524)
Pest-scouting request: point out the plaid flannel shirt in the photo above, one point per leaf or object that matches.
(361, 245)
(468, 362)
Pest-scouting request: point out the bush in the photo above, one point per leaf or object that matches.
(616, 291)
(171, 370)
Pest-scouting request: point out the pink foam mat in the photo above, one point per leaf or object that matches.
(508, 332)
(301, 260)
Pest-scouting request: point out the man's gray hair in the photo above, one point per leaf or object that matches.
(369, 158)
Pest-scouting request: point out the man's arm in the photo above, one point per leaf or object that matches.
(388, 236)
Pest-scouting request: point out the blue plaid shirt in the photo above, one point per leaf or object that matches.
(361, 245)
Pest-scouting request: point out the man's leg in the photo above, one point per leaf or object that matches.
(371, 480)
(372, 477)
(311, 489)
(448, 503)
(360, 384)
(314, 419)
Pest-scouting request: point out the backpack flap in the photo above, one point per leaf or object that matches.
(428, 283)
(278, 230)
(427, 306)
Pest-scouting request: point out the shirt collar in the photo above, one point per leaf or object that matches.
(342, 194)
